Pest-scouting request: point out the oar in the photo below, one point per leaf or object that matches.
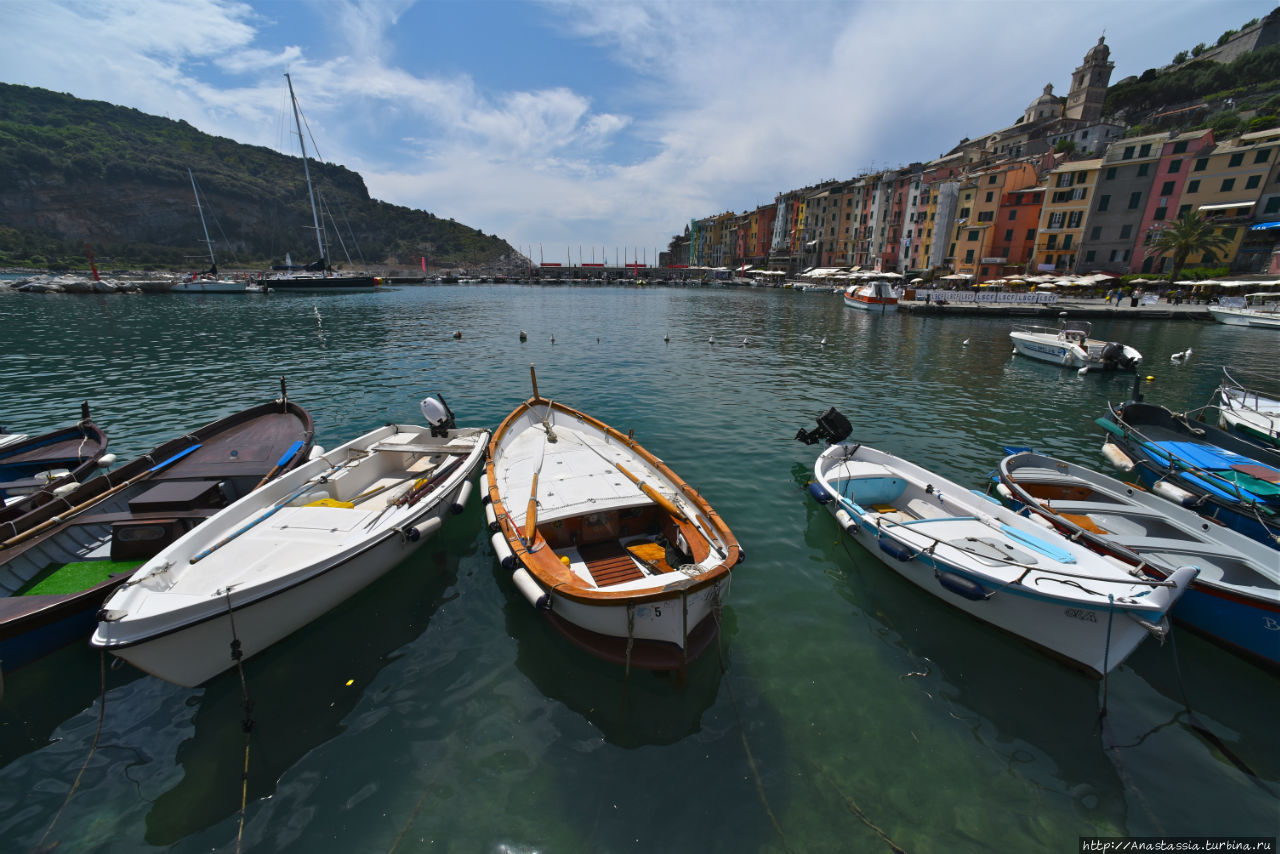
(288, 455)
(531, 513)
(661, 500)
(229, 537)
(49, 523)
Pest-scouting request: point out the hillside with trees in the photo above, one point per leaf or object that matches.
(74, 172)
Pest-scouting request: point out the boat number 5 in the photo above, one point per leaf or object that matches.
(1087, 616)
(657, 612)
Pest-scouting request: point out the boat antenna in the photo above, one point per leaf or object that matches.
(315, 215)
(207, 242)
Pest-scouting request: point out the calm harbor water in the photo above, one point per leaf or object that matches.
(843, 710)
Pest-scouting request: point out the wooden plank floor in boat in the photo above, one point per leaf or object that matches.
(609, 563)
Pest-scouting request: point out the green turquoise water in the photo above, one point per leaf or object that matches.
(843, 710)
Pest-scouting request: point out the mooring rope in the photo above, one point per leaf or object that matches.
(237, 655)
(102, 710)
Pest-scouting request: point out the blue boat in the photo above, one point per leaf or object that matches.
(1235, 599)
(1199, 466)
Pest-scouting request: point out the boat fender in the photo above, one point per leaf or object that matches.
(1041, 521)
(1176, 494)
(742, 555)
(1005, 493)
(422, 530)
(896, 549)
(961, 586)
(1078, 352)
(819, 494)
(503, 551)
(491, 517)
(106, 460)
(316, 452)
(1116, 458)
(530, 589)
(460, 503)
(66, 487)
(846, 521)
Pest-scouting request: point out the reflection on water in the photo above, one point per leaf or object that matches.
(437, 710)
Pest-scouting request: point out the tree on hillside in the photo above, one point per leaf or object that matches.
(1189, 235)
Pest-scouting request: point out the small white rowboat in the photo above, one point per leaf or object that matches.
(991, 563)
(280, 557)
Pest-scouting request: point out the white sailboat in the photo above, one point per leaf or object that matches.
(208, 282)
(318, 275)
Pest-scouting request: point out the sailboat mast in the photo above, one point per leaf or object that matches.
(315, 215)
(207, 241)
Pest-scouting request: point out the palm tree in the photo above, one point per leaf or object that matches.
(1189, 235)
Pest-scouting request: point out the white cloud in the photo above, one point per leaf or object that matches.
(722, 106)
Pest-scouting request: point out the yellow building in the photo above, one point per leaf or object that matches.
(1068, 192)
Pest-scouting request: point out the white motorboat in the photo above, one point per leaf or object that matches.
(876, 295)
(282, 556)
(1249, 412)
(1235, 599)
(991, 563)
(1071, 346)
(1261, 310)
(625, 558)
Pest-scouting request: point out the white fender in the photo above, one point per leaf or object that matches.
(1041, 521)
(423, 529)
(490, 516)
(503, 551)
(315, 453)
(1004, 492)
(1116, 457)
(1176, 494)
(846, 521)
(460, 502)
(65, 488)
(1078, 353)
(530, 589)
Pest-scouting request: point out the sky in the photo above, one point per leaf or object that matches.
(576, 127)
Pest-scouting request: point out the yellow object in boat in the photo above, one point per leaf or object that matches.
(330, 502)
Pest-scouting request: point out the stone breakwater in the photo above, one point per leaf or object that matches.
(68, 284)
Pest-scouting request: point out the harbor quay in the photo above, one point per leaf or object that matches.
(1084, 308)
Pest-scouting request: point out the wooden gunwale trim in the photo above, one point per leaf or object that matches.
(562, 582)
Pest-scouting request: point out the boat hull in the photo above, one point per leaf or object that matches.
(318, 283)
(184, 655)
(1245, 317)
(1236, 598)
(878, 304)
(283, 556)
(991, 563)
(626, 560)
(1074, 633)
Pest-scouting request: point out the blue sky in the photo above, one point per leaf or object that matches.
(573, 124)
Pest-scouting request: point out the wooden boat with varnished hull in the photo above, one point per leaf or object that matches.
(627, 560)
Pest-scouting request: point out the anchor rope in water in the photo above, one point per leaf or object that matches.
(93, 747)
(1204, 732)
(853, 807)
(742, 730)
(237, 655)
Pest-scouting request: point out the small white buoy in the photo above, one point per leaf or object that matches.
(711, 340)
(457, 333)
(667, 338)
(965, 343)
(523, 336)
(1178, 357)
(1083, 371)
(823, 342)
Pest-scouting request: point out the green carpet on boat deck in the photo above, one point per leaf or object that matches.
(74, 577)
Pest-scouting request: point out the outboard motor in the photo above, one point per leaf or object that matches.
(832, 426)
(439, 416)
(1115, 357)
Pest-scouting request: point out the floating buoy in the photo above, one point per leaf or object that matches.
(1179, 357)
(823, 342)
(457, 333)
(1083, 371)
(711, 340)
(667, 338)
(1150, 379)
(523, 336)
(553, 339)
(965, 343)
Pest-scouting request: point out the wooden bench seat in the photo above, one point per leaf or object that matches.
(609, 563)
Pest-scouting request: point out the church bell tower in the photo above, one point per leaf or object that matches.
(1089, 84)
